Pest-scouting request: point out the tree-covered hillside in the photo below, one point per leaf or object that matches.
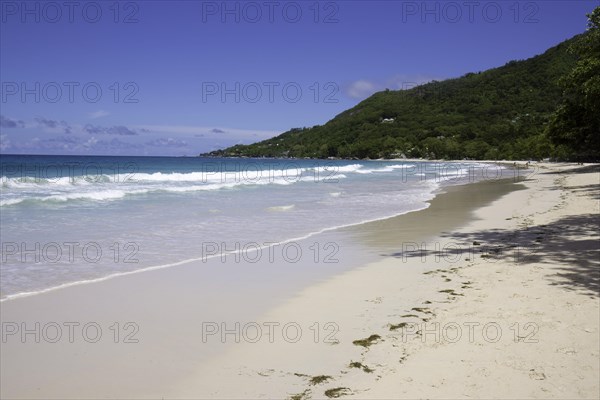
(576, 123)
(500, 113)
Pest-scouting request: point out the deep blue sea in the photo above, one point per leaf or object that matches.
(67, 219)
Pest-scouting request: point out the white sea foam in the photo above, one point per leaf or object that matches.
(18, 190)
(338, 168)
(388, 168)
(282, 208)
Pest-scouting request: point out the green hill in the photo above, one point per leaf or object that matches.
(500, 113)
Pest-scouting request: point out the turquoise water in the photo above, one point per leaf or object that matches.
(67, 219)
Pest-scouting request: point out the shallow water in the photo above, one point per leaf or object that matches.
(67, 219)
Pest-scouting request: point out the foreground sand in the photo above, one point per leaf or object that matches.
(510, 310)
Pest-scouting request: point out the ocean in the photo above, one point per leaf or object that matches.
(71, 219)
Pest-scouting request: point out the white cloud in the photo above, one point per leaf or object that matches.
(10, 123)
(360, 89)
(98, 114)
(60, 137)
(4, 142)
(168, 142)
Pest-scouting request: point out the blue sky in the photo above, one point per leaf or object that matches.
(184, 77)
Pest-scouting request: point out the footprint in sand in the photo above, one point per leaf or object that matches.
(537, 374)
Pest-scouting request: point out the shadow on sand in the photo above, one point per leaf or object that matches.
(570, 244)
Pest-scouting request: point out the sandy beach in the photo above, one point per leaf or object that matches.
(492, 292)
(239, 200)
(505, 307)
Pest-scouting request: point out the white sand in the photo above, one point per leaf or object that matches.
(528, 319)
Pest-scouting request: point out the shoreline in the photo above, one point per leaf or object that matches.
(382, 352)
(258, 369)
(435, 193)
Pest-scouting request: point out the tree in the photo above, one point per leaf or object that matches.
(576, 122)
